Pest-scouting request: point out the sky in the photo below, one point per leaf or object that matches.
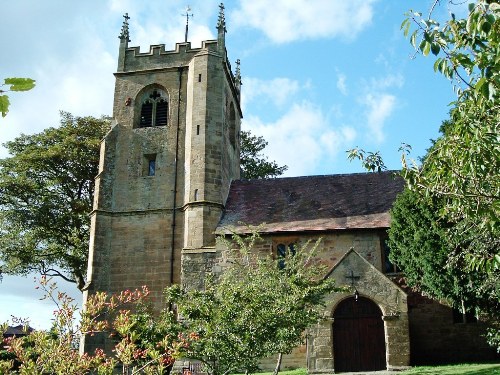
(319, 77)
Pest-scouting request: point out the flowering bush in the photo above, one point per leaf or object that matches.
(145, 342)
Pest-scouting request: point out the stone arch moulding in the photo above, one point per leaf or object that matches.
(158, 98)
(376, 287)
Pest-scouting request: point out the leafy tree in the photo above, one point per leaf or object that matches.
(253, 163)
(457, 185)
(46, 193)
(371, 161)
(422, 244)
(13, 84)
(254, 309)
(463, 166)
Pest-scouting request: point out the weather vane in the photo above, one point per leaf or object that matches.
(188, 9)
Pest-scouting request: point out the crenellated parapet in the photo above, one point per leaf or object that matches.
(131, 59)
(159, 58)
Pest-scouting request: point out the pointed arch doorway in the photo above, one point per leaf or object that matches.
(358, 336)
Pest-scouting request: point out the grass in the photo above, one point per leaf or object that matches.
(463, 369)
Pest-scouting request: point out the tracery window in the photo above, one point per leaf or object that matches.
(154, 110)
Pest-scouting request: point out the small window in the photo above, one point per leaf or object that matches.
(199, 77)
(149, 165)
(154, 110)
(389, 267)
(282, 252)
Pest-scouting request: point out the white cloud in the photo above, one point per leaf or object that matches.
(332, 141)
(279, 91)
(380, 107)
(379, 103)
(341, 85)
(302, 138)
(388, 81)
(284, 21)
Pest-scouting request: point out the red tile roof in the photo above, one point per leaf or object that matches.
(311, 203)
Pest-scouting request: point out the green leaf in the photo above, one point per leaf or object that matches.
(486, 27)
(425, 47)
(494, 7)
(405, 26)
(413, 39)
(435, 49)
(491, 90)
(480, 83)
(4, 105)
(20, 84)
(436, 64)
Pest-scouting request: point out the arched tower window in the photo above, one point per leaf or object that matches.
(154, 109)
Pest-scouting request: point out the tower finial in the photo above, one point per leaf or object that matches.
(237, 75)
(188, 9)
(221, 28)
(237, 79)
(124, 35)
(221, 23)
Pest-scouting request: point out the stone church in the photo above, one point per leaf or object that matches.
(169, 182)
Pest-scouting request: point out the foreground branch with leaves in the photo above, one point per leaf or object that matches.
(13, 85)
(455, 199)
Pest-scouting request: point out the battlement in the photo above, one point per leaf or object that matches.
(159, 49)
(131, 59)
(158, 57)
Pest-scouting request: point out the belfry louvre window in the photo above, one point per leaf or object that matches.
(154, 110)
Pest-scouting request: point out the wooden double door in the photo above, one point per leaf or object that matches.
(358, 336)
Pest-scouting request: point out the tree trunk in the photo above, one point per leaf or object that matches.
(80, 281)
(278, 364)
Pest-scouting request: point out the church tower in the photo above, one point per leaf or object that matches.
(167, 163)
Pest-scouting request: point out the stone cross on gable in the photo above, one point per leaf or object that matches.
(352, 277)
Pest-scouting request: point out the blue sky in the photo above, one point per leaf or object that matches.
(319, 77)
